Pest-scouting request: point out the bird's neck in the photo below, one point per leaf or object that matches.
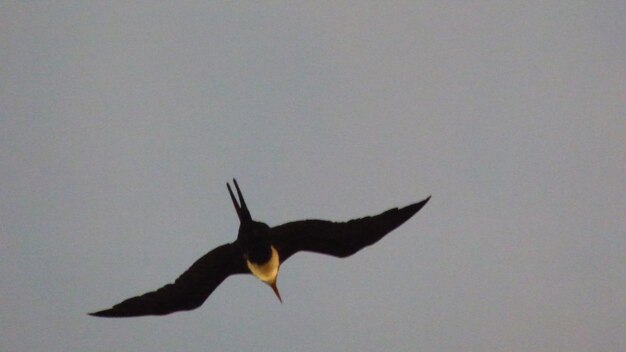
(268, 270)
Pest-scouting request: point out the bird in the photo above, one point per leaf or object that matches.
(260, 250)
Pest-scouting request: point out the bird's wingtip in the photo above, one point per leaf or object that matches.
(107, 313)
(415, 207)
(424, 201)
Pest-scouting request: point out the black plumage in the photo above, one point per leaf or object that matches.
(254, 246)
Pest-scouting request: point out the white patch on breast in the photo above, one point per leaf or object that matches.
(267, 271)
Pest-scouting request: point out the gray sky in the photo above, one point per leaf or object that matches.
(120, 125)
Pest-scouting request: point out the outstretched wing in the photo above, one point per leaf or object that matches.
(339, 239)
(189, 291)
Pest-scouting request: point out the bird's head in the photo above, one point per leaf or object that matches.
(264, 263)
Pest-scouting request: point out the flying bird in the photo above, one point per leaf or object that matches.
(260, 250)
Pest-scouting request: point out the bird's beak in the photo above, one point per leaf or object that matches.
(273, 286)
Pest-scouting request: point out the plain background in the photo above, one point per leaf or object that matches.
(121, 123)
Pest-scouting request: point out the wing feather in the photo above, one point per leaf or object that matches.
(339, 239)
(189, 291)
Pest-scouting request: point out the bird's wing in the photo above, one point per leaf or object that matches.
(339, 239)
(189, 291)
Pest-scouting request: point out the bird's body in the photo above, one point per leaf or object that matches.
(267, 270)
(260, 250)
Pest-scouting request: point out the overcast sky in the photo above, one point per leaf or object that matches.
(120, 125)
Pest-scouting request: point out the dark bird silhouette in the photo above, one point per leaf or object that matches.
(260, 250)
